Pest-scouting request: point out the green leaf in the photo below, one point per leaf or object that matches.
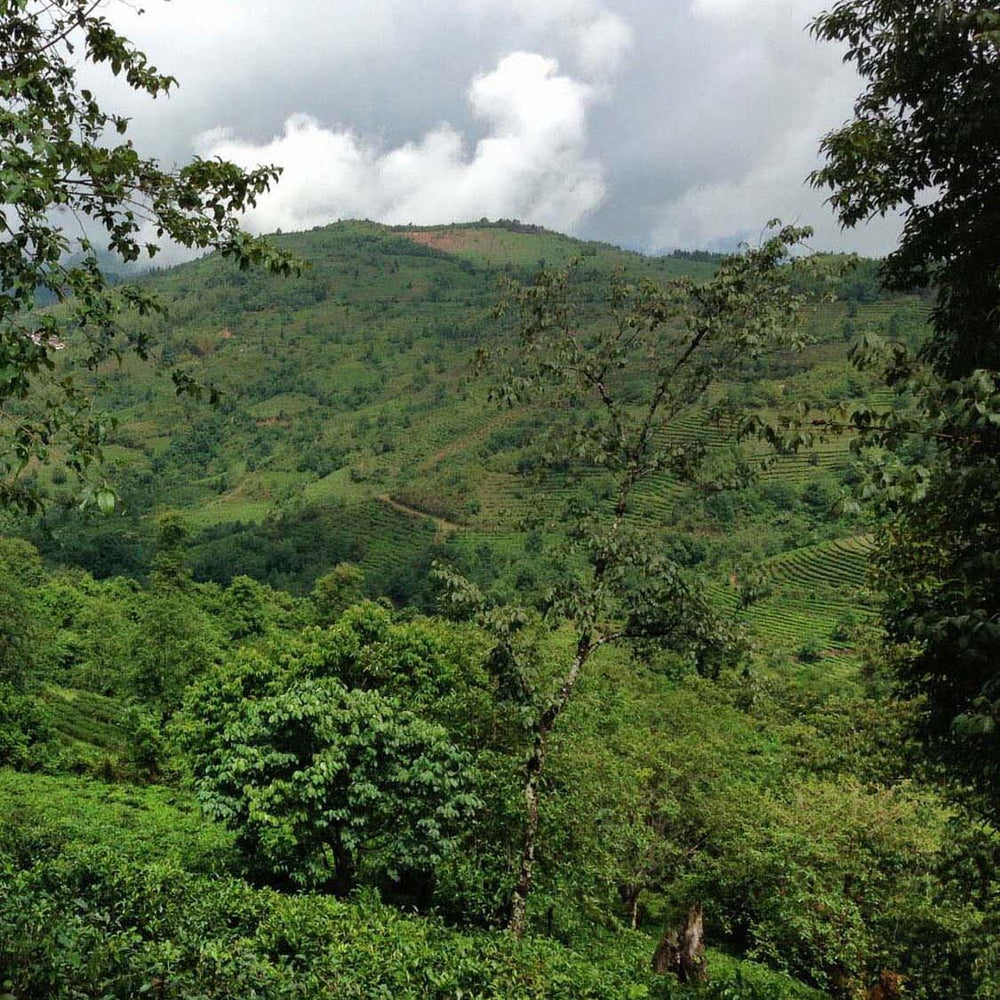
(105, 501)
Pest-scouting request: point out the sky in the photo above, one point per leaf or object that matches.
(652, 124)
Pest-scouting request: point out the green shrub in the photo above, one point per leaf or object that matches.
(810, 651)
(25, 729)
(88, 924)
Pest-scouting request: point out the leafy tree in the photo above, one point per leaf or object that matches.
(65, 159)
(926, 124)
(336, 591)
(25, 728)
(319, 779)
(21, 633)
(925, 140)
(146, 745)
(653, 358)
(177, 636)
(246, 603)
(176, 639)
(99, 633)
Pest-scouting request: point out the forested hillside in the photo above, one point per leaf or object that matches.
(350, 427)
(352, 446)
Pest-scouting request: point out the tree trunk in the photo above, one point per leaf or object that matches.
(629, 894)
(533, 770)
(342, 883)
(532, 773)
(682, 950)
(888, 987)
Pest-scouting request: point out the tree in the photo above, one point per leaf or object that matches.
(650, 360)
(925, 140)
(21, 633)
(336, 591)
(324, 777)
(63, 159)
(926, 124)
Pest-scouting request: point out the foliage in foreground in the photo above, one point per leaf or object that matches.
(90, 924)
(779, 806)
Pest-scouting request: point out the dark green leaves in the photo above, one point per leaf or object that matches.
(318, 779)
(925, 140)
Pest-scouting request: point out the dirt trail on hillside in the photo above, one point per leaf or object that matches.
(443, 526)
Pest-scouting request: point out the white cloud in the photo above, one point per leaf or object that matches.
(531, 164)
(773, 187)
(596, 37)
(710, 106)
(734, 11)
(602, 44)
(741, 204)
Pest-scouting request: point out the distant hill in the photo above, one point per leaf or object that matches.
(351, 426)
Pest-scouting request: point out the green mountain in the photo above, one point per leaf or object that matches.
(351, 427)
(178, 755)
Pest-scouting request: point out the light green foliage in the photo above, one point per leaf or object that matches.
(336, 591)
(146, 749)
(176, 639)
(25, 729)
(246, 602)
(299, 391)
(26, 642)
(788, 817)
(401, 755)
(659, 788)
(86, 925)
(159, 912)
(21, 633)
(97, 630)
(817, 869)
(250, 611)
(48, 816)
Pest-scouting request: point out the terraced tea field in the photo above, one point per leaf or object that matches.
(88, 724)
(818, 596)
(352, 420)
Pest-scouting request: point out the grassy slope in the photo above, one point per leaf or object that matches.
(347, 394)
(109, 885)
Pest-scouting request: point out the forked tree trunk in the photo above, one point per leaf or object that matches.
(532, 774)
(519, 900)
(682, 950)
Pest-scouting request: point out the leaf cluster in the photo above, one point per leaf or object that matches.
(65, 162)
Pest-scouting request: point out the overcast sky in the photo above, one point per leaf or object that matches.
(650, 123)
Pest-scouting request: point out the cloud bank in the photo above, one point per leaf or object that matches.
(530, 164)
(645, 123)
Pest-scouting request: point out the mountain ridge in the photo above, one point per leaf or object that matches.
(351, 428)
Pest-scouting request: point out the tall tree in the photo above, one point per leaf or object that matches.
(651, 359)
(74, 187)
(925, 141)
